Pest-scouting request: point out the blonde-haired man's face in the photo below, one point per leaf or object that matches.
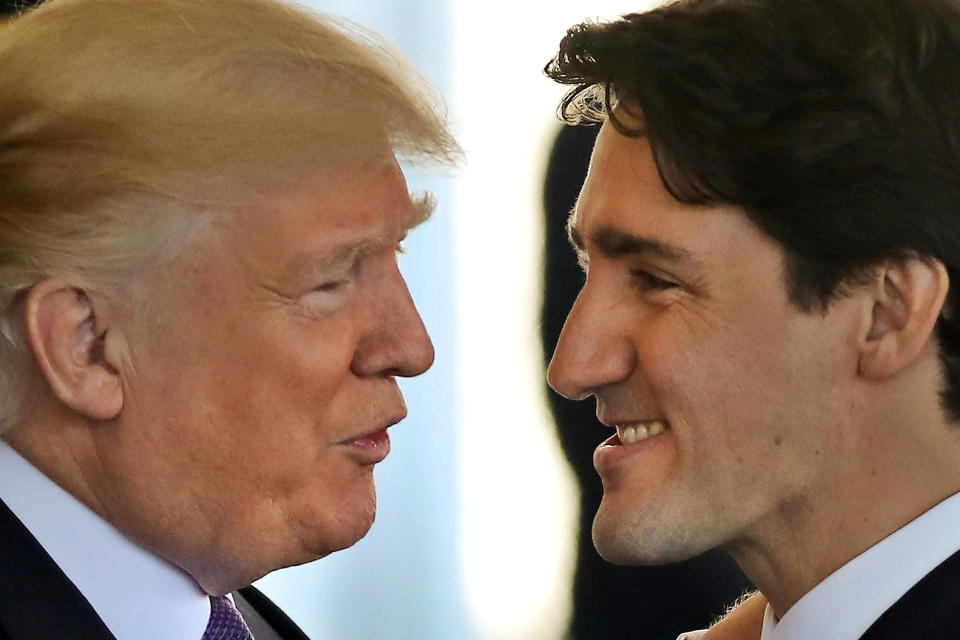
(259, 399)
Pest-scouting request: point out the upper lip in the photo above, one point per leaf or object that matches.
(383, 424)
(613, 423)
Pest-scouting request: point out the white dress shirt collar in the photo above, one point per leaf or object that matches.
(138, 595)
(848, 601)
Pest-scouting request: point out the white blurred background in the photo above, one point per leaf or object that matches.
(475, 529)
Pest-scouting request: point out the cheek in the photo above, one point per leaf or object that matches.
(760, 399)
(309, 365)
(691, 367)
(735, 375)
(273, 391)
(284, 352)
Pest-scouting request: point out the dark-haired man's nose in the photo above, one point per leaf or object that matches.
(590, 353)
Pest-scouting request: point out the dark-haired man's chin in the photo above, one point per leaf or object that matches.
(619, 540)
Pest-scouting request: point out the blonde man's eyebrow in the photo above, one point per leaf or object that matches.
(423, 207)
(343, 255)
(424, 204)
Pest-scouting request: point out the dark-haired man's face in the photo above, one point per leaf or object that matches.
(724, 395)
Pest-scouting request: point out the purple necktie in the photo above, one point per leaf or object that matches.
(225, 621)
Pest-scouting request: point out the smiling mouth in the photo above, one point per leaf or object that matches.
(628, 434)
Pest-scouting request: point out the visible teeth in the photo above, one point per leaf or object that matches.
(630, 434)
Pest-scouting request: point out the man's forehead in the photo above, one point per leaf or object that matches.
(326, 219)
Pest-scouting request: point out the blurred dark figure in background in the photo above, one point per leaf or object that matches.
(612, 601)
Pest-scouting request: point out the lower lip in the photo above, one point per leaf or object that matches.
(371, 448)
(612, 454)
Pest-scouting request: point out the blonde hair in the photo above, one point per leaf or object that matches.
(123, 121)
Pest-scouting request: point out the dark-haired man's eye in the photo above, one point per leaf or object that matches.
(646, 281)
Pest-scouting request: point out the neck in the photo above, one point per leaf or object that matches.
(895, 474)
(92, 462)
(60, 448)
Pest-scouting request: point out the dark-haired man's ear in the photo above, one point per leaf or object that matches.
(70, 345)
(907, 296)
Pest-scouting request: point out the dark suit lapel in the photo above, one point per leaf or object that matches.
(264, 618)
(37, 601)
(931, 609)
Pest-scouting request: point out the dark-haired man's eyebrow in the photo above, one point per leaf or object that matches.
(576, 241)
(615, 243)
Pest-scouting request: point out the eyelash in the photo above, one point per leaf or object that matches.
(646, 281)
(330, 287)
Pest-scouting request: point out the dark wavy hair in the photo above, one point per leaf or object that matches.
(835, 124)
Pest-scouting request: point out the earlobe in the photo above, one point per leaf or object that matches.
(906, 298)
(63, 334)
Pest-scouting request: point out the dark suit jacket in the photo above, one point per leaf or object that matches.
(38, 602)
(929, 611)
